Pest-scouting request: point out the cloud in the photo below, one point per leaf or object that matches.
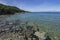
(34, 5)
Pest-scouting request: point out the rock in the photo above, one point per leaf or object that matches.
(0, 39)
(40, 35)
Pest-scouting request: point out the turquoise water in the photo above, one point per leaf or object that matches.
(53, 17)
(46, 21)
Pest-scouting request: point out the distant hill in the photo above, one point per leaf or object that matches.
(5, 9)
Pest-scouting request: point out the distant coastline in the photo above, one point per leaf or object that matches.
(7, 10)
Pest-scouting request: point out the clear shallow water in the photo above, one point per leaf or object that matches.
(55, 17)
(48, 21)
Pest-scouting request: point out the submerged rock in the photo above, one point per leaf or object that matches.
(40, 35)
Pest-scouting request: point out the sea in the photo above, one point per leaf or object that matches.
(46, 21)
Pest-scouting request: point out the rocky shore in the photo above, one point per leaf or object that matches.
(17, 30)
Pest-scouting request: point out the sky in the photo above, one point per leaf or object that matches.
(34, 5)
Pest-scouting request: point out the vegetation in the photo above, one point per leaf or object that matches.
(5, 9)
